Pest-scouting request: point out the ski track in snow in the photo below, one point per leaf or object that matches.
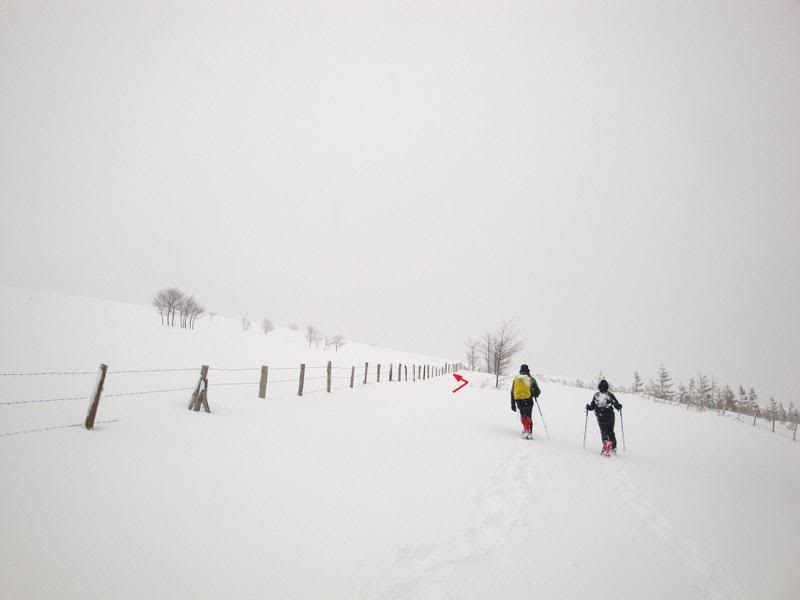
(714, 581)
(425, 572)
(422, 572)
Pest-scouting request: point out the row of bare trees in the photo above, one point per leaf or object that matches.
(172, 303)
(494, 351)
(315, 337)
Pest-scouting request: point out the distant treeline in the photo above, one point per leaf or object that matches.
(702, 393)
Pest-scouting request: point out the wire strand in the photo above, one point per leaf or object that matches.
(54, 427)
(47, 400)
(183, 389)
(126, 371)
(48, 373)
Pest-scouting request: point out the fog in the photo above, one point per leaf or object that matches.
(620, 179)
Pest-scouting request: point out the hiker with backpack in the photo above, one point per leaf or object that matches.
(524, 390)
(603, 404)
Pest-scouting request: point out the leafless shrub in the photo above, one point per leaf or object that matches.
(337, 341)
(473, 351)
(312, 335)
(267, 326)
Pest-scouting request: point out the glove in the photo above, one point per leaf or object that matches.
(514, 406)
(587, 408)
(619, 406)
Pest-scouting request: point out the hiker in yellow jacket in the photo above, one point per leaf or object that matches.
(523, 391)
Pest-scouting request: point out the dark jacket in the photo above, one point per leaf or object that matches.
(603, 405)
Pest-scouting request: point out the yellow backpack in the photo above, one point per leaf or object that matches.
(522, 387)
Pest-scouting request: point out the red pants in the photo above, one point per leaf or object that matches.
(525, 408)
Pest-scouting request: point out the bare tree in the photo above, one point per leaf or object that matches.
(311, 335)
(337, 341)
(171, 302)
(246, 324)
(507, 343)
(267, 326)
(187, 311)
(197, 311)
(167, 302)
(487, 350)
(328, 342)
(473, 348)
(180, 307)
(160, 303)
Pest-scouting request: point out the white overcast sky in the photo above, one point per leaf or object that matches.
(620, 179)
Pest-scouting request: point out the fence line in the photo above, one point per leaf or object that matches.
(199, 395)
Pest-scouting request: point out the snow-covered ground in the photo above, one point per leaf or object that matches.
(390, 490)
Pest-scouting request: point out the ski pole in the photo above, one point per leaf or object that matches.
(541, 415)
(585, 424)
(622, 426)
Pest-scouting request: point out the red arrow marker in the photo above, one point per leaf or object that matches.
(459, 378)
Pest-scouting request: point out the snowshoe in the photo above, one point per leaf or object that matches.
(606, 451)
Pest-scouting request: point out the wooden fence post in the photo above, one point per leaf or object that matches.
(329, 376)
(405, 371)
(98, 391)
(390, 371)
(413, 372)
(379, 372)
(366, 371)
(302, 379)
(202, 397)
(262, 385)
(352, 375)
(196, 393)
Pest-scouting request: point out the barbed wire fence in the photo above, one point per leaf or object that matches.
(335, 378)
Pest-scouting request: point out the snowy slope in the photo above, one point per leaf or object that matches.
(390, 490)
